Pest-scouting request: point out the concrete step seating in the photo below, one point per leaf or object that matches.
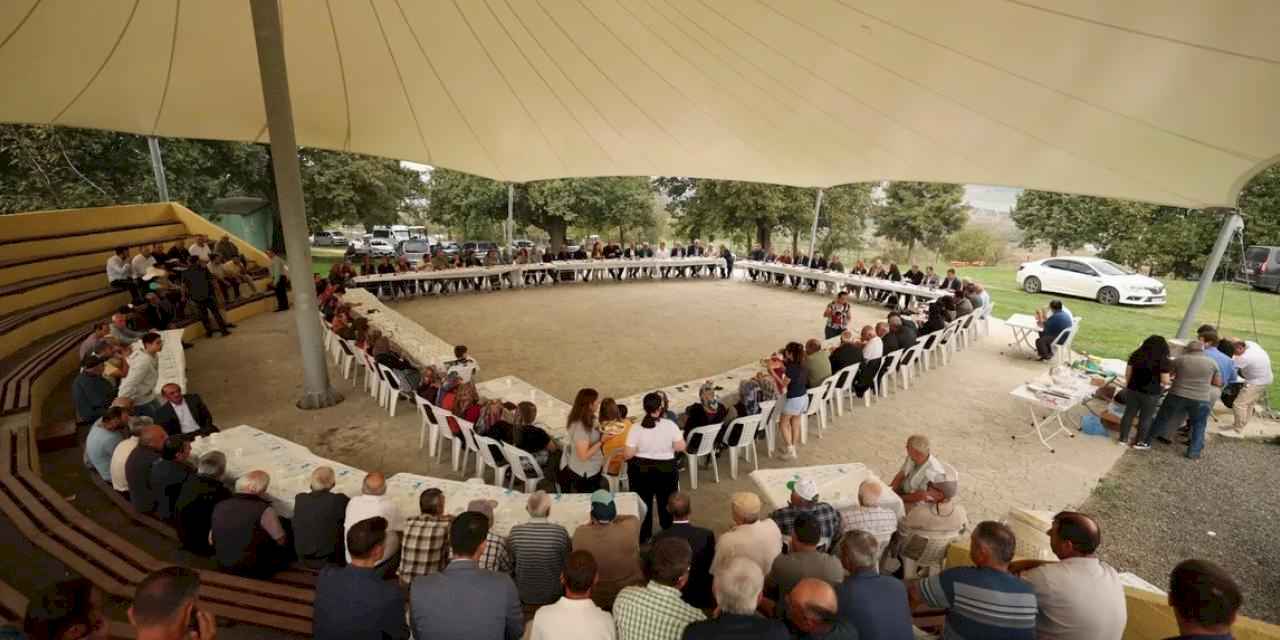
(115, 565)
(20, 370)
(13, 609)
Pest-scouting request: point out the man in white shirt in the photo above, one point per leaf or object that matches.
(120, 273)
(200, 248)
(120, 456)
(1080, 597)
(142, 262)
(574, 616)
(373, 501)
(1253, 368)
(758, 540)
(922, 475)
(869, 515)
(465, 367)
(139, 385)
(872, 345)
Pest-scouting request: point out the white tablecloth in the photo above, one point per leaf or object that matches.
(413, 341)
(171, 362)
(837, 485)
(290, 465)
(517, 270)
(836, 277)
(553, 412)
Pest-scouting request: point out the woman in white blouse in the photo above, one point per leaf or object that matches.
(651, 462)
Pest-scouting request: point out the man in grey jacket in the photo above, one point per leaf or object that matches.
(464, 601)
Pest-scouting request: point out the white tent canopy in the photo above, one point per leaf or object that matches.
(1164, 101)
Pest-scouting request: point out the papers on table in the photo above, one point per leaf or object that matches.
(171, 362)
(290, 466)
(837, 485)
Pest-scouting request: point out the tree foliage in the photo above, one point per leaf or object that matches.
(63, 168)
(921, 213)
(1059, 220)
(470, 202)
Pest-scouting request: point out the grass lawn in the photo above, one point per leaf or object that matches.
(1115, 331)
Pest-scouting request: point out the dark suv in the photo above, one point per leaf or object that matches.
(1262, 267)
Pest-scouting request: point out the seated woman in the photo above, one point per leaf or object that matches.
(937, 320)
(708, 410)
(384, 355)
(530, 435)
(613, 428)
(466, 402)
(429, 386)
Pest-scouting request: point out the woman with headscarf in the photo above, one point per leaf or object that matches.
(651, 452)
(707, 410)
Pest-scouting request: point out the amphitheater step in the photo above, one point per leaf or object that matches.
(18, 370)
(34, 292)
(15, 270)
(99, 240)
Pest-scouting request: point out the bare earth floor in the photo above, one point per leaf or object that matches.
(623, 338)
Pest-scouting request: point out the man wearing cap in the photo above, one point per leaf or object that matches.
(804, 500)
(919, 469)
(751, 537)
(465, 602)
(496, 555)
(91, 392)
(614, 542)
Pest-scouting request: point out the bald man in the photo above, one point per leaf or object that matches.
(1080, 597)
(137, 468)
(371, 502)
(812, 609)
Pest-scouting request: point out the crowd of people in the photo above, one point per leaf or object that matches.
(806, 570)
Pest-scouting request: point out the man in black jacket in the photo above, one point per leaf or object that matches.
(169, 474)
(318, 518)
(697, 592)
(199, 495)
(184, 414)
(198, 283)
(137, 468)
(90, 391)
(845, 355)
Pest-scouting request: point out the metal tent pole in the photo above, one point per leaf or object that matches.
(157, 168)
(1232, 224)
(316, 391)
(511, 216)
(813, 231)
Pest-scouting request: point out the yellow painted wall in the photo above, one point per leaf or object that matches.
(55, 322)
(196, 224)
(1150, 617)
(47, 223)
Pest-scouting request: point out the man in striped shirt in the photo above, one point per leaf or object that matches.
(985, 600)
(539, 548)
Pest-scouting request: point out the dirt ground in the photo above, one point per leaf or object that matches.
(624, 338)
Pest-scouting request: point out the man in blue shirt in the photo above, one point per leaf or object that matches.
(985, 600)
(1226, 366)
(875, 605)
(109, 431)
(1057, 322)
(354, 602)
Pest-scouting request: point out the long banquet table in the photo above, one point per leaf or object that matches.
(850, 279)
(646, 267)
(837, 485)
(290, 465)
(413, 341)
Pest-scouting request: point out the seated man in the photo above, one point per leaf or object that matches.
(750, 537)
(426, 538)
(869, 516)
(845, 355)
(137, 468)
(985, 600)
(614, 542)
(169, 473)
(919, 469)
(464, 601)
(120, 327)
(539, 548)
(354, 602)
(812, 612)
(120, 273)
(139, 384)
(120, 456)
(804, 500)
(816, 363)
(574, 610)
(101, 330)
(373, 501)
(196, 501)
(245, 530)
(737, 590)
(1050, 328)
(803, 560)
(1080, 597)
(184, 413)
(105, 435)
(318, 521)
(875, 605)
(1205, 600)
(656, 611)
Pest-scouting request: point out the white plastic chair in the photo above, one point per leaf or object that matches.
(393, 387)
(964, 334)
(842, 388)
(817, 398)
(524, 467)
(741, 436)
(908, 362)
(467, 431)
(428, 422)
(346, 358)
(486, 447)
(888, 369)
(984, 324)
(772, 411)
(927, 348)
(1062, 345)
(702, 442)
(372, 378)
(444, 420)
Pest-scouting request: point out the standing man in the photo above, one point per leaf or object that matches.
(139, 385)
(1254, 367)
(1080, 597)
(703, 543)
(837, 315)
(198, 283)
(1195, 375)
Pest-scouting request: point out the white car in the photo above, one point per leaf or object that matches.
(1102, 280)
(379, 247)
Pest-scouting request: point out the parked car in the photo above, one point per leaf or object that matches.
(1262, 267)
(328, 239)
(523, 244)
(1102, 280)
(379, 247)
(449, 248)
(478, 247)
(415, 251)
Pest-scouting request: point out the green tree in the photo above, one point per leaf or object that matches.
(921, 213)
(700, 207)
(1260, 207)
(974, 244)
(1060, 220)
(843, 218)
(348, 188)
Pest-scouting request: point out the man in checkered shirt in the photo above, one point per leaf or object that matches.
(869, 516)
(656, 611)
(497, 555)
(804, 499)
(425, 548)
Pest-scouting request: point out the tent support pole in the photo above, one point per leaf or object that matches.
(157, 168)
(813, 230)
(316, 391)
(1232, 223)
(511, 217)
